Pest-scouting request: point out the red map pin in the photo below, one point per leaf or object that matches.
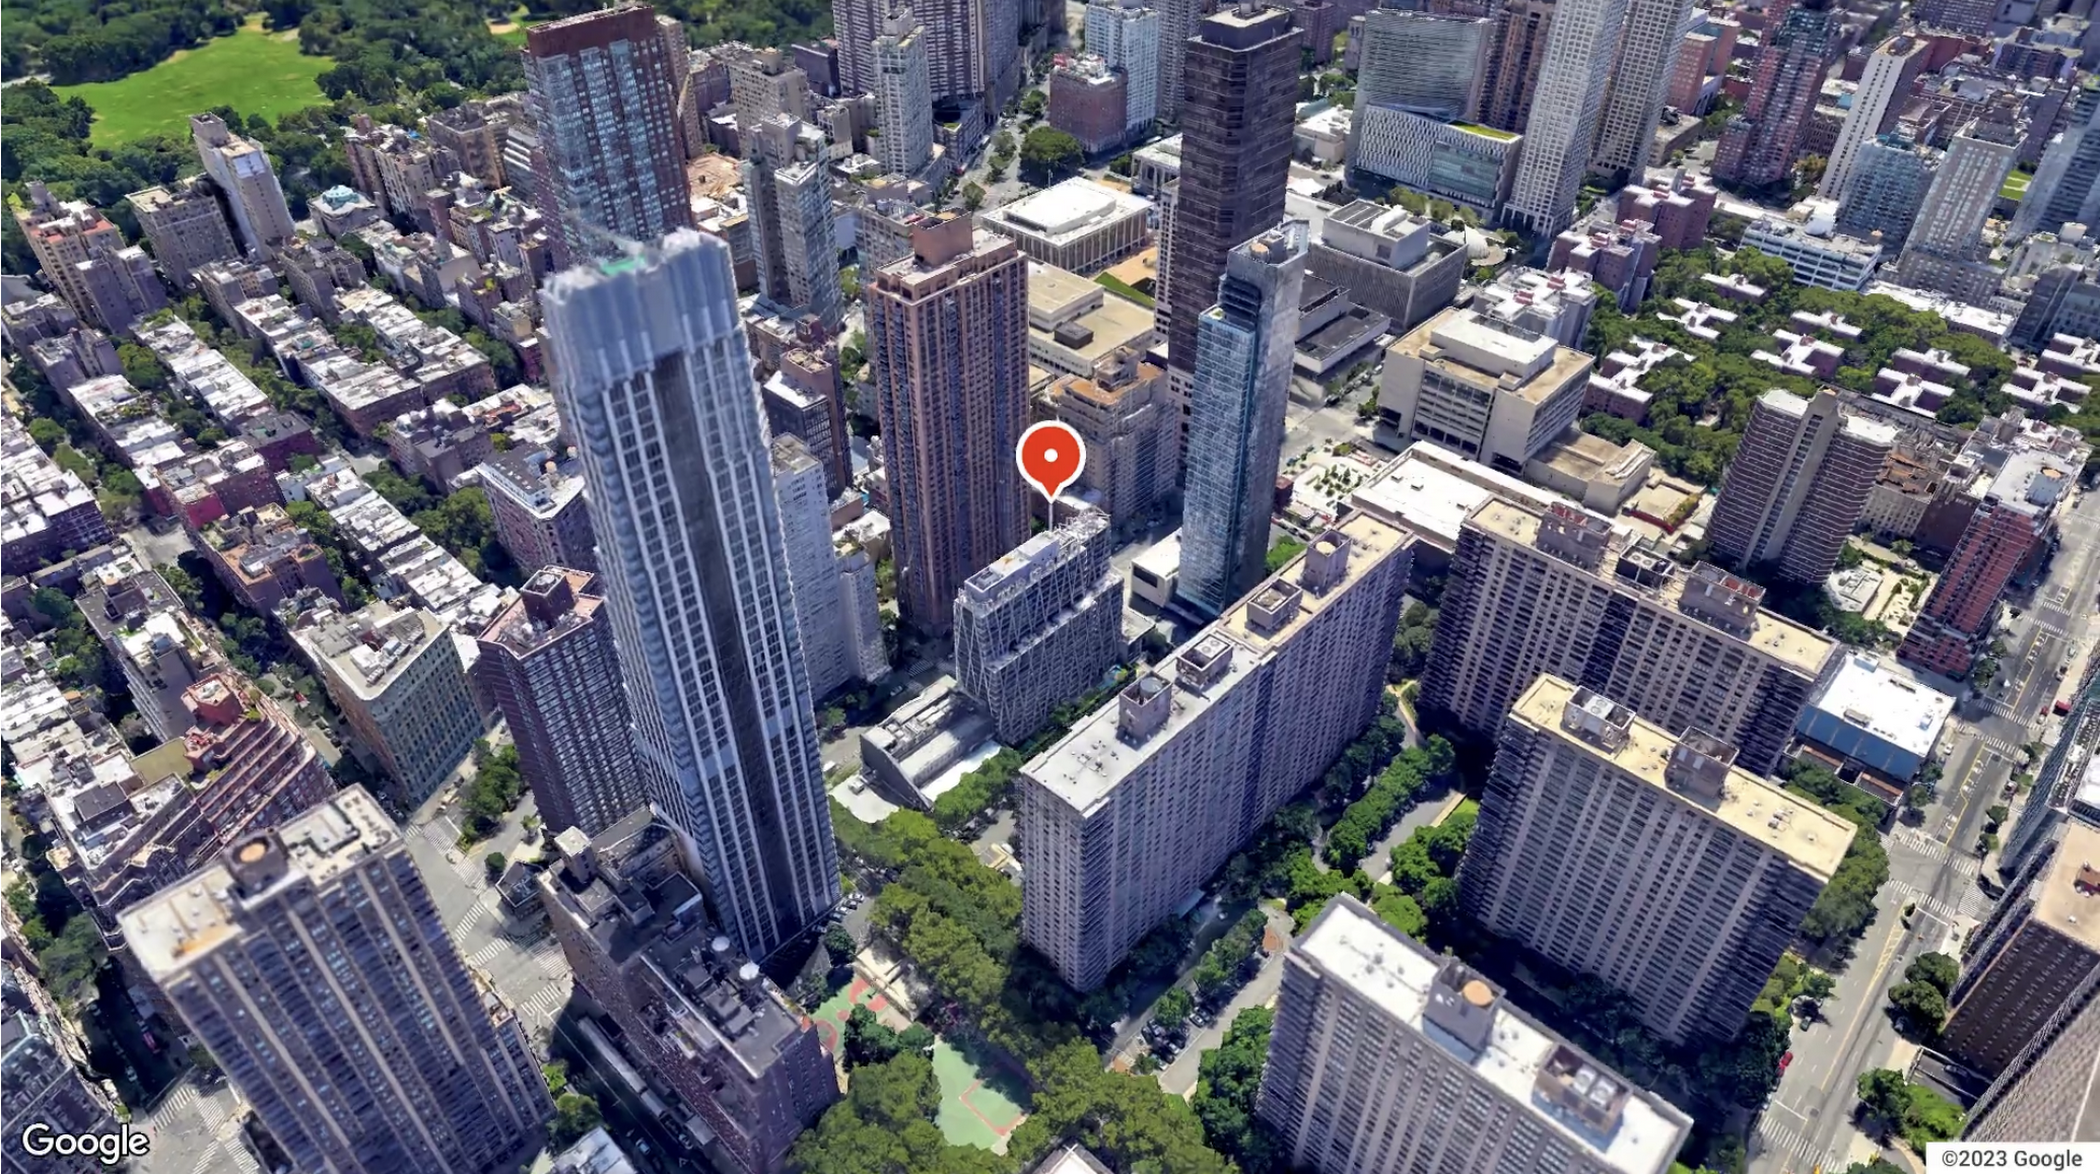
(1050, 455)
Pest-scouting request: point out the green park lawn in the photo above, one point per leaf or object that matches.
(252, 71)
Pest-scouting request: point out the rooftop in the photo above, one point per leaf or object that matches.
(1812, 838)
(1085, 766)
(2067, 894)
(183, 923)
(1068, 210)
(1770, 633)
(1473, 348)
(1524, 1062)
(1432, 490)
(1882, 699)
(368, 648)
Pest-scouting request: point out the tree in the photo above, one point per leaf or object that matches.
(1033, 103)
(1048, 153)
(1921, 1004)
(1174, 1008)
(71, 962)
(492, 866)
(973, 195)
(1883, 1092)
(574, 1115)
(1939, 970)
(838, 943)
(868, 1040)
(1228, 1084)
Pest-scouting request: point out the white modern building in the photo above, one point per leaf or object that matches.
(654, 376)
(1080, 225)
(1873, 712)
(1565, 107)
(1486, 387)
(1818, 254)
(1386, 1058)
(903, 96)
(824, 610)
(1889, 70)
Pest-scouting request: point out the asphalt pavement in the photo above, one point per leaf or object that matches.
(1933, 867)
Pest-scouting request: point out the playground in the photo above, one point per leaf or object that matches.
(981, 1102)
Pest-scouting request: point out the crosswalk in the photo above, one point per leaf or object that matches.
(223, 1155)
(484, 908)
(541, 1008)
(1971, 903)
(1795, 1150)
(1921, 843)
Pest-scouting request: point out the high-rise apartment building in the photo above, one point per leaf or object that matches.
(1125, 33)
(764, 83)
(1889, 179)
(83, 256)
(652, 372)
(1040, 626)
(186, 226)
(1126, 815)
(608, 165)
(1423, 63)
(1649, 860)
(1964, 189)
(804, 399)
(1759, 145)
(2066, 184)
(547, 665)
(1633, 105)
(2039, 946)
(1386, 1058)
(903, 96)
(260, 216)
(1132, 433)
(2047, 1092)
(1178, 21)
(312, 963)
(1241, 80)
(396, 676)
(832, 635)
(1961, 16)
(536, 502)
(691, 1009)
(948, 357)
(1484, 384)
(1522, 30)
(1244, 348)
(1884, 85)
(1558, 592)
(2015, 513)
(787, 183)
(1565, 110)
(1798, 484)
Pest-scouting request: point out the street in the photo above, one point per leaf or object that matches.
(1808, 1123)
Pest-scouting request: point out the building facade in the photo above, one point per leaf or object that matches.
(312, 963)
(1562, 126)
(790, 201)
(1759, 146)
(1132, 433)
(1241, 70)
(1483, 385)
(396, 676)
(1127, 814)
(698, 1016)
(1884, 85)
(2015, 513)
(903, 96)
(243, 173)
(830, 649)
(547, 665)
(186, 226)
(1386, 1058)
(1040, 626)
(1633, 105)
(2047, 1091)
(1126, 35)
(1556, 591)
(2035, 952)
(1648, 860)
(608, 166)
(948, 357)
(1797, 485)
(1244, 350)
(650, 359)
(1888, 179)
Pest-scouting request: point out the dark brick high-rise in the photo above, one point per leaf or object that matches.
(1241, 92)
(1760, 144)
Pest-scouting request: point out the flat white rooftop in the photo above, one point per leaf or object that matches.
(1071, 209)
(1888, 703)
(1395, 974)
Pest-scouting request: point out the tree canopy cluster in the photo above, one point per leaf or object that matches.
(1913, 1111)
(1719, 381)
(1389, 795)
(498, 785)
(1846, 906)
(1228, 1085)
(76, 42)
(959, 922)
